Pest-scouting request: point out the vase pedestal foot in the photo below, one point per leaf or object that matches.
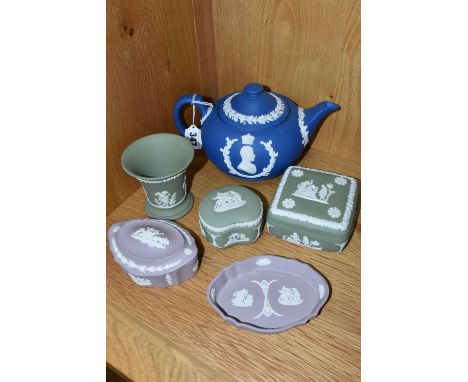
(170, 213)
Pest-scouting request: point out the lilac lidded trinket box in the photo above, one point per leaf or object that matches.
(154, 253)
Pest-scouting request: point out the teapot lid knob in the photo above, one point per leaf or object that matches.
(253, 89)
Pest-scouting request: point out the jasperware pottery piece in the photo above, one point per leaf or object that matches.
(159, 162)
(314, 208)
(268, 294)
(154, 253)
(231, 215)
(253, 134)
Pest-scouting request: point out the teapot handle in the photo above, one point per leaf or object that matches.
(188, 99)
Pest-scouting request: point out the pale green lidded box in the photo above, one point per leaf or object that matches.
(314, 208)
(231, 215)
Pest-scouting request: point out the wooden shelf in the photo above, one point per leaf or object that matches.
(173, 334)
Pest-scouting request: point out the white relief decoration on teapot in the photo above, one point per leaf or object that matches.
(229, 200)
(140, 280)
(288, 203)
(253, 119)
(297, 173)
(236, 238)
(165, 199)
(341, 180)
(296, 239)
(289, 296)
(242, 298)
(263, 261)
(169, 279)
(321, 289)
(151, 237)
(248, 156)
(195, 267)
(310, 191)
(267, 310)
(116, 229)
(212, 294)
(302, 126)
(187, 251)
(334, 212)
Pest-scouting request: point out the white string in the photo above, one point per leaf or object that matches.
(200, 103)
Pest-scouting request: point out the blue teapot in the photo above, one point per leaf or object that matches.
(253, 134)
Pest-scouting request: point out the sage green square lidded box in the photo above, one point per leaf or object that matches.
(314, 208)
(231, 215)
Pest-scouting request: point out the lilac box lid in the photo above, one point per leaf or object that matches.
(150, 247)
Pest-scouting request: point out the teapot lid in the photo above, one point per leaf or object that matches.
(254, 106)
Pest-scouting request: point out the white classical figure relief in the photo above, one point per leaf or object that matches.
(289, 296)
(229, 200)
(152, 237)
(288, 203)
(267, 309)
(236, 238)
(296, 239)
(164, 199)
(341, 180)
(247, 155)
(310, 191)
(242, 298)
(334, 212)
(321, 289)
(140, 280)
(169, 279)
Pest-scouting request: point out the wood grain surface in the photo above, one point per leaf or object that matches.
(151, 61)
(173, 334)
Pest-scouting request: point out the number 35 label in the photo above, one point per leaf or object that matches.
(193, 134)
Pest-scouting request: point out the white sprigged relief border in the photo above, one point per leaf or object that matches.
(140, 280)
(302, 126)
(236, 238)
(212, 294)
(321, 289)
(141, 267)
(253, 119)
(305, 242)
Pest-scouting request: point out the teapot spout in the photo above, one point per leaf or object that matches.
(316, 114)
